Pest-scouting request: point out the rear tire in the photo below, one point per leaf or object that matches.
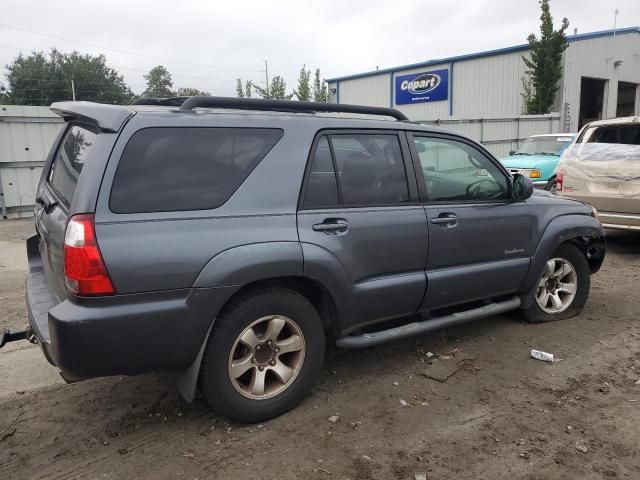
(563, 287)
(264, 353)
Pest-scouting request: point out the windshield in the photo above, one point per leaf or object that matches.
(547, 145)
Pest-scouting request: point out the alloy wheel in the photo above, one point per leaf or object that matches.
(266, 357)
(557, 287)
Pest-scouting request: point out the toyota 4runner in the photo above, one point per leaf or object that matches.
(228, 238)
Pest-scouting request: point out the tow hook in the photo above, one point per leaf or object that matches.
(26, 333)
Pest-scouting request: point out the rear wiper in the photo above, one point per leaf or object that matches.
(549, 153)
(522, 153)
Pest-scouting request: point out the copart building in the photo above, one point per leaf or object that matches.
(480, 94)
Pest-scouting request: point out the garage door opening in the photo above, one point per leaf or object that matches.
(591, 100)
(626, 99)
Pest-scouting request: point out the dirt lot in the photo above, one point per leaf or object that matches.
(501, 415)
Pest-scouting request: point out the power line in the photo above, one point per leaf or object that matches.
(182, 75)
(125, 52)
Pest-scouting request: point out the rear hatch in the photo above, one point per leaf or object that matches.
(54, 198)
(603, 168)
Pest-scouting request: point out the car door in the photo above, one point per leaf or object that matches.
(361, 225)
(479, 239)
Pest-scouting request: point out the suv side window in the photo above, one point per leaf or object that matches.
(370, 169)
(322, 187)
(455, 171)
(69, 160)
(168, 169)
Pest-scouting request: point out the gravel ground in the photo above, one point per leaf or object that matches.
(500, 415)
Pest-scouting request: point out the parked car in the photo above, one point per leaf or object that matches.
(537, 158)
(603, 168)
(227, 238)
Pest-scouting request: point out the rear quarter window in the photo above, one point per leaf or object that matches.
(69, 160)
(168, 169)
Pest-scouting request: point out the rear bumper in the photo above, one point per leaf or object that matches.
(123, 334)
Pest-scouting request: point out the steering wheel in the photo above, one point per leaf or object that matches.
(475, 190)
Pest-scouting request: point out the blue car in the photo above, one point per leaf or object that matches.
(537, 158)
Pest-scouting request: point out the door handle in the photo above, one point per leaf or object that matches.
(445, 219)
(331, 226)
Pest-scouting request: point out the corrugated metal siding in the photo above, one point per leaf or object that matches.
(373, 91)
(26, 136)
(488, 87)
(594, 58)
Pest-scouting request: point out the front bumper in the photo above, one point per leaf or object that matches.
(121, 334)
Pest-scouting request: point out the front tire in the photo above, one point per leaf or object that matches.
(551, 185)
(263, 355)
(563, 287)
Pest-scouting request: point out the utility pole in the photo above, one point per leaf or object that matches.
(266, 74)
(73, 90)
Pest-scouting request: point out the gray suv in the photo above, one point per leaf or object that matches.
(229, 238)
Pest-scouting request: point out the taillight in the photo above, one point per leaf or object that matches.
(559, 179)
(84, 270)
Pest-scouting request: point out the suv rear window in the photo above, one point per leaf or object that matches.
(624, 134)
(69, 161)
(181, 168)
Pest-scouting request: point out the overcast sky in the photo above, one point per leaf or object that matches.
(207, 44)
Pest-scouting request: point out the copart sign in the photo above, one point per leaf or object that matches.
(422, 87)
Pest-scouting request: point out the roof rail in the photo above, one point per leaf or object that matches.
(164, 102)
(286, 106)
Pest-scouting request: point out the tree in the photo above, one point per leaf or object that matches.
(320, 93)
(40, 79)
(544, 68)
(243, 91)
(303, 92)
(277, 90)
(190, 92)
(159, 83)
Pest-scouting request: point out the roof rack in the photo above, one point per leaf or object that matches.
(164, 102)
(285, 106)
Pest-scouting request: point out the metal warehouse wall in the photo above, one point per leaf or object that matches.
(485, 89)
(482, 87)
(594, 58)
(26, 135)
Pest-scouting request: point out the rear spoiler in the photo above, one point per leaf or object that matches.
(107, 118)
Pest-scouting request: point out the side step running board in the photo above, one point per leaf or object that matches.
(417, 328)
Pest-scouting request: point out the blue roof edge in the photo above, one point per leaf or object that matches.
(487, 53)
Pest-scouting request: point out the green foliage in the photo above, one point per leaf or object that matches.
(243, 91)
(303, 92)
(277, 89)
(41, 79)
(320, 93)
(159, 83)
(544, 68)
(190, 92)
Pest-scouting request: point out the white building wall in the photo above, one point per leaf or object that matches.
(489, 86)
(594, 58)
(26, 136)
(372, 91)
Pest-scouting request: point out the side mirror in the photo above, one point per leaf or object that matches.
(522, 188)
(511, 152)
